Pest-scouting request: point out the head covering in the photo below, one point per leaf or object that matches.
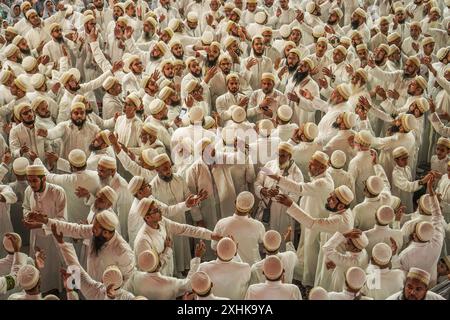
(424, 231)
(419, 274)
(285, 31)
(344, 91)
(192, 84)
(400, 152)
(35, 170)
(284, 112)
(207, 37)
(385, 215)
(109, 193)
(338, 159)
(19, 107)
(285, 147)
(28, 277)
(272, 267)
(135, 184)
(393, 37)
(238, 114)
(355, 277)
(408, 122)
(156, 106)
(226, 249)
(381, 253)
(444, 142)
(318, 31)
(363, 138)
(362, 73)
(112, 276)
(425, 204)
(272, 240)
(344, 194)
(192, 16)
(22, 82)
(77, 158)
(318, 293)
(374, 185)
(129, 61)
(310, 130)
(4, 75)
(442, 53)
(37, 80)
(360, 12)
(88, 18)
(165, 93)
(8, 245)
(20, 165)
(268, 75)
(147, 155)
(160, 159)
(29, 63)
(108, 162)
(393, 49)
(200, 282)
(349, 119)
(421, 82)
(148, 261)
(68, 74)
(10, 50)
(414, 60)
(245, 201)
(109, 82)
(196, 114)
(107, 220)
(321, 157)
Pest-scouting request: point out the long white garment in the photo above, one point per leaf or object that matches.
(403, 186)
(304, 109)
(9, 265)
(326, 130)
(153, 239)
(444, 190)
(128, 130)
(340, 142)
(382, 283)
(342, 178)
(52, 202)
(115, 251)
(21, 135)
(231, 278)
(365, 211)
(5, 219)
(255, 112)
(273, 290)
(302, 154)
(285, 131)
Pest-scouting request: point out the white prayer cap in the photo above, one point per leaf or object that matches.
(203, 143)
(385, 215)
(148, 261)
(135, 184)
(134, 98)
(260, 17)
(88, 12)
(88, 18)
(69, 10)
(374, 185)
(238, 114)
(174, 23)
(442, 52)
(161, 46)
(109, 82)
(165, 93)
(228, 135)
(272, 240)
(152, 21)
(310, 130)
(207, 37)
(192, 16)
(344, 194)
(29, 12)
(309, 62)
(393, 36)
(414, 60)
(344, 90)
(10, 50)
(109, 193)
(19, 107)
(381, 253)
(105, 136)
(51, 297)
(345, 40)
(22, 82)
(268, 76)
(310, 7)
(293, 50)
(156, 106)
(320, 157)
(150, 129)
(226, 249)
(435, 9)
(322, 40)
(355, 277)
(228, 42)
(360, 12)
(28, 277)
(284, 112)
(8, 245)
(77, 158)
(4, 75)
(35, 170)
(421, 82)
(20, 166)
(286, 147)
(318, 293)
(272, 267)
(148, 155)
(363, 138)
(112, 276)
(173, 43)
(237, 11)
(225, 56)
(25, 4)
(209, 122)
(384, 47)
(73, 72)
(349, 119)
(425, 204)
(196, 114)
(393, 49)
(192, 84)
(400, 152)
(427, 40)
(318, 31)
(245, 201)
(37, 80)
(108, 162)
(285, 31)
(160, 159)
(266, 29)
(444, 142)
(424, 231)
(128, 61)
(17, 40)
(229, 5)
(11, 29)
(265, 126)
(107, 220)
(189, 60)
(200, 282)
(338, 12)
(29, 63)
(419, 274)
(341, 49)
(362, 73)
(395, 202)
(338, 159)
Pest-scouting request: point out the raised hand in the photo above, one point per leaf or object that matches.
(128, 32)
(353, 234)
(394, 246)
(287, 234)
(292, 96)
(393, 94)
(42, 132)
(327, 71)
(189, 101)
(118, 65)
(250, 63)
(284, 200)
(58, 236)
(7, 157)
(200, 249)
(81, 192)
(39, 258)
(322, 82)
(24, 149)
(306, 94)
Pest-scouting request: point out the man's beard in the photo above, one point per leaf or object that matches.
(258, 54)
(44, 116)
(403, 297)
(211, 62)
(147, 35)
(179, 57)
(355, 25)
(166, 178)
(97, 244)
(197, 74)
(407, 75)
(379, 62)
(116, 17)
(299, 76)
(59, 39)
(170, 76)
(394, 129)
(292, 68)
(26, 52)
(76, 88)
(93, 147)
(410, 112)
(78, 123)
(140, 112)
(19, 60)
(28, 122)
(106, 181)
(335, 125)
(267, 91)
(153, 58)
(331, 23)
(327, 206)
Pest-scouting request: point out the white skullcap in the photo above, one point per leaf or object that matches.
(174, 23)
(349, 119)
(19, 107)
(374, 185)
(272, 240)
(17, 39)
(22, 82)
(20, 166)
(228, 135)
(444, 141)
(207, 37)
(442, 53)
(109, 82)
(226, 249)
(200, 283)
(260, 17)
(209, 122)
(424, 231)
(435, 9)
(161, 46)
(362, 73)
(395, 202)
(322, 40)
(245, 201)
(148, 155)
(419, 274)
(338, 12)
(421, 82)
(160, 159)
(344, 90)
(35, 170)
(192, 16)
(4, 75)
(310, 7)
(108, 220)
(272, 267)
(284, 112)
(29, 63)
(37, 80)
(173, 43)
(156, 106)
(268, 75)
(344, 194)
(285, 31)
(196, 114)
(68, 74)
(165, 93)
(150, 129)
(393, 49)
(135, 184)
(135, 98)
(400, 152)
(414, 60)
(51, 297)
(318, 293)
(105, 136)
(320, 157)
(318, 31)
(10, 50)
(338, 159)
(28, 277)
(393, 36)
(425, 204)
(355, 277)
(225, 56)
(108, 162)
(237, 11)
(192, 84)
(310, 130)
(360, 12)
(385, 215)
(128, 61)
(112, 276)
(109, 193)
(341, 49)
(77, 158)
(286, 147)
(265, 126)
(148, 261)
(308, 61)
(381, 253)
(8, 245)
(238, 114)
(427, 40)
(37, 102)
(363, 138)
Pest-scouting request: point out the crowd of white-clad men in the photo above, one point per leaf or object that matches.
(206, 149)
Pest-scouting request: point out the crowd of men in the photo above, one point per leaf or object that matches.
(207, 149)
